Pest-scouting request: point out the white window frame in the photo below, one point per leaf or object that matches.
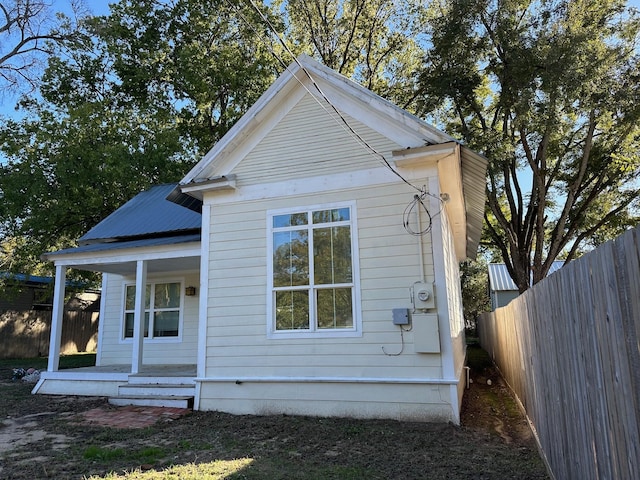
(313, 331)
(123, 311)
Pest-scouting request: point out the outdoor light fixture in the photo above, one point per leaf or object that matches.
(190, 291)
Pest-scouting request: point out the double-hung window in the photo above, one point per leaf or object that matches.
(162, 309)
(313, 272)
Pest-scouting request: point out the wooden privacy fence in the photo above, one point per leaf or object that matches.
(26, 334)
(569, 348)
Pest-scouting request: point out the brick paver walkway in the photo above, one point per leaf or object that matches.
(131, 416)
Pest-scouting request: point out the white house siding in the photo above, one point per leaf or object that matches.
(238, 347)
(454, 304)
(308, 142)
(114, 351)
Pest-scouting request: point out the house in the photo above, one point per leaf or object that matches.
(278, 274)
(502, 288)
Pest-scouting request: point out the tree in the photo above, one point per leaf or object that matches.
(206, 61)
(373, 42)
(29, 31)
(474, 281)
(548, 91)
(134, 101)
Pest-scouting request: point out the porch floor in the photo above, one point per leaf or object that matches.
(145, 371)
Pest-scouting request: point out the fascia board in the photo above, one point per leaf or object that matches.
(127, 255)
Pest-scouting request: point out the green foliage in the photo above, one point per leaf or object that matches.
(98, 453)
(475, 290)
(134, 101)
(374, 42)
(548, 92)
(206, 62)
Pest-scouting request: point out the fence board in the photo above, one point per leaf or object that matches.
(26, 334)
(570, 349)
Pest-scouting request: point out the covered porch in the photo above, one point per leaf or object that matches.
(154, 385)
(123, 372)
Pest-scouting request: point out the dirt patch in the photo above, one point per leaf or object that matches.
(16, 433)
(489, 407)
(493, 442)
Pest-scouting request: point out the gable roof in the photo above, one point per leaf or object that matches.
(306, 76)
(355, 100)
(147, 215)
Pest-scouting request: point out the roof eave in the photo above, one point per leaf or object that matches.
(461, 174)
(196, 188)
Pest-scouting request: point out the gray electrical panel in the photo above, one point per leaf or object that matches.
(426, 334)
(401, 316)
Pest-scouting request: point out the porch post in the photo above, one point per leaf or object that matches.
(56, 318)
(138, 316)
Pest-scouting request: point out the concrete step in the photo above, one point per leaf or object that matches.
(156, 401)
(156, 389)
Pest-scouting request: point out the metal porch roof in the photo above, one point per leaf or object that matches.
(148, 214)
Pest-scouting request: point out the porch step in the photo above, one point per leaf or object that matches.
(156, 389)
(179, 395)
(155, 401)
(164, 380)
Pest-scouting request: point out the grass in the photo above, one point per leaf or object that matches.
(40, 363)
(143, 455)
(214, 445)
(219, 469)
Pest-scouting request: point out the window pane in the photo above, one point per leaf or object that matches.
(290, 258)
(292, 310)
(167, 295)
(290, 220)
(334, 308)
(165, 324)
(130, 300)
(332, 255)
(335, 215)
(128, 325)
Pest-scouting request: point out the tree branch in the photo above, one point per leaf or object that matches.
(556, 234)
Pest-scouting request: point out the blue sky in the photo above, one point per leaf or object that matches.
(101, 7)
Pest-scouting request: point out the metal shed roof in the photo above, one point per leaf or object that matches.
(500, 280)
(147, 214)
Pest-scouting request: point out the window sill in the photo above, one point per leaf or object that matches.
(316, 334)
(154, 340)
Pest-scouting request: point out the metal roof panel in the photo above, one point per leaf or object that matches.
(147, 214)
(500, 280)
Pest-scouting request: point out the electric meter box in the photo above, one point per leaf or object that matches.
(426, 334)
(422, 296)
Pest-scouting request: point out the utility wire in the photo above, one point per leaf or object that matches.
(345, 123)
(417, 201)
